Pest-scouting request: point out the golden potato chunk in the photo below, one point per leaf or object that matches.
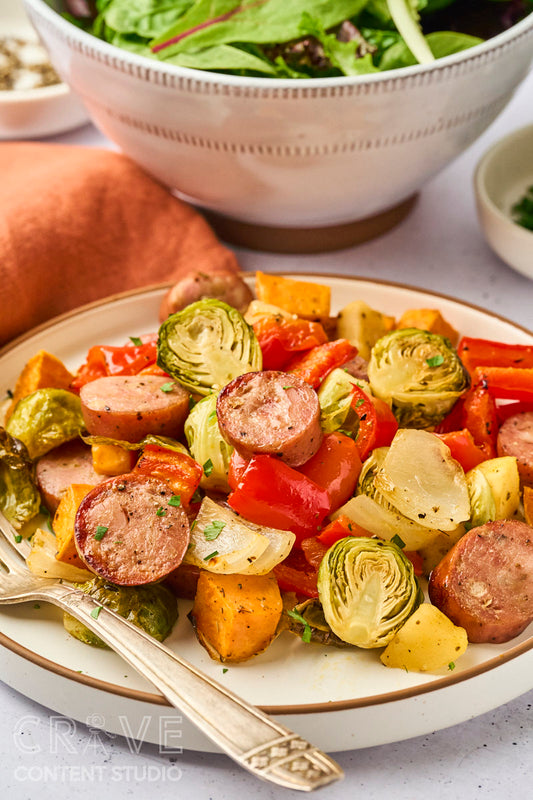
(427, 641)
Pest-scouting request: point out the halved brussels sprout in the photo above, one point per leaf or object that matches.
(206, 345)
(152, 608)
(367, 589)
(307, 621)
(45, 419)
(19, 497)
(421, 479)
(482, 505)
(334, 396)
(419, 373)
(207, 445)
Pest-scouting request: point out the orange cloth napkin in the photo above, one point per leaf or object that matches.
(78, 224)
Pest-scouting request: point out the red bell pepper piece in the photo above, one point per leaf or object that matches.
(341, 527)
(377, 423)
(314, 551)
(416, 560)
(271, 493)
(463, 448)
(294, 580)
(335, 467)
(280, 338)
(513, 383)
(479, 416)
(104, 360)
(506, 410)
(296, 574)
(485, 353)
(316, 364)
(182, 473)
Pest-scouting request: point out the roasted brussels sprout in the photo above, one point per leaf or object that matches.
(367, 589)
(419, 373)
(45, 419)
(207, 445)
(482, 505)
(334, 396)
(19, 497)
(152, 608)
(206, 345)
(307, 621)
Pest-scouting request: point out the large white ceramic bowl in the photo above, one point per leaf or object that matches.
(294, 153)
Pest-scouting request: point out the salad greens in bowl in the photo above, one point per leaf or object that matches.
(297, 39)
(286, 115)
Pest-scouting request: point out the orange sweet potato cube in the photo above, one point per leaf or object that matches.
(63, 523)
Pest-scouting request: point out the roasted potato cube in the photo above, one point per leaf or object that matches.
(427, 641)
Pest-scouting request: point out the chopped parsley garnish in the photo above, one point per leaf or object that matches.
(161, 512)
(212, 530)
(224, 670)
(212, 416)
(451, 665)
(359, 402)
(192, 402)
(95, 612)
(435, 361)
(175, 501)
(398, 541)
(306, 634)
(197, 497)
(167, 387)
(18, 538)
(136, 340)
(101, 531)
(208, 468)
(211, 555)
(522, 211)
(36, 605)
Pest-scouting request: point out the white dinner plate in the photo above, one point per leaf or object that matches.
(338, 699)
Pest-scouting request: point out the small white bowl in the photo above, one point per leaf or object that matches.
(501, 179)
(32, 113)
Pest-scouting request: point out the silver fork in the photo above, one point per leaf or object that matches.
(255, 741)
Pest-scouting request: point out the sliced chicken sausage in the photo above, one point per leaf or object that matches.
(57, 470)
(272, 413)
(515, 438)
(127, 532)
(485, 582)
(130, 407)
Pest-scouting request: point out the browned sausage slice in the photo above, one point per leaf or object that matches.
(130, 407)
(70, 463)
(515, 438)
(127, 532)
(485, 582)
(226, 286)
(272, 413)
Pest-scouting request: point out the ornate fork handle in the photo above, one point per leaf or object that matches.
(250, 737)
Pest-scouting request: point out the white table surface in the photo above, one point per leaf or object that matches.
(440, 247)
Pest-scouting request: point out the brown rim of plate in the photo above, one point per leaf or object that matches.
(309, 708)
